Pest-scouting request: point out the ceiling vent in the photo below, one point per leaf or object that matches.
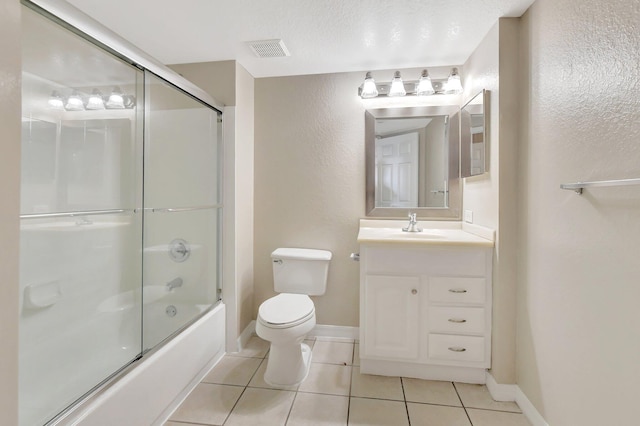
(269, 48)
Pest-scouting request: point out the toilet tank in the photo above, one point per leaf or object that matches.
(301, 271)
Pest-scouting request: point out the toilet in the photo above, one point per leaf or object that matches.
(284, 320)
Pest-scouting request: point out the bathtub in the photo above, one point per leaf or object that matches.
(149, 390)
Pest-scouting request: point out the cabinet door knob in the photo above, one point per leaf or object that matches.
(457, 349)
(414, 291)
(457, 290)
(457, 320)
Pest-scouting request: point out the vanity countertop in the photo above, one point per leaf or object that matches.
(434, 233)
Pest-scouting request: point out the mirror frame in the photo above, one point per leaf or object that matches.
(465, 137)
(453, 209)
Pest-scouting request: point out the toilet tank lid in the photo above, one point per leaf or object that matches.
(301, 254)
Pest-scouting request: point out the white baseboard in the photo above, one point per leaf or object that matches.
(243, 338)
(528, 409)
(500, 392)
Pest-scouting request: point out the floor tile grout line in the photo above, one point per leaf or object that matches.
(243, 391)
(350, 386)
(234, 406)
(404, 396)
(295, 395)
(461, 402)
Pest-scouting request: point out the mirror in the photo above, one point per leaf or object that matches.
(412, 162)
(474, 141)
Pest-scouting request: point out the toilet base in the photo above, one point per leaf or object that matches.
(288, 365)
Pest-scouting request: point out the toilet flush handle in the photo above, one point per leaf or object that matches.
(278, 261)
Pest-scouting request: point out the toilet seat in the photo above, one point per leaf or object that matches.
(286, 310)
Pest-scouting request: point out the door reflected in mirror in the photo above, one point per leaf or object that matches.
(412, 161)
(474, 123)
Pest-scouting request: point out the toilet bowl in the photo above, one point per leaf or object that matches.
(284, 320)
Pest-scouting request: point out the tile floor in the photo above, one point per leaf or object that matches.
(335, 393)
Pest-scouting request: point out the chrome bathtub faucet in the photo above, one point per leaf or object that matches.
(176, 282)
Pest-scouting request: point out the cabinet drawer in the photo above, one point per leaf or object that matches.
(456, 348)
(457, 290)
(445, 319)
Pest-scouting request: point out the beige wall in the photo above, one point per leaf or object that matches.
(492, 196)
(244, 192)
(309, 181)
(578, 265)
(10, 88)
(216, 78)
(310, 177)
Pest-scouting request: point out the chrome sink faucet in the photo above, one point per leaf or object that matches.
(413, 224)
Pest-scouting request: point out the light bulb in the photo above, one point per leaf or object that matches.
(397, 86)
(95, 100)
(74, 102)
(424, 86)
(454, 87)
(369, 89)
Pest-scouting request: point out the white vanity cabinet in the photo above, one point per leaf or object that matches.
(425, 309)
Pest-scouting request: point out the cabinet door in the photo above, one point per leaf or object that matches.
(391, 316)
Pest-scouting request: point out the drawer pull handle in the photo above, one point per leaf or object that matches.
(457, 290)
(457, 320)
(414, 291)
(457, 349)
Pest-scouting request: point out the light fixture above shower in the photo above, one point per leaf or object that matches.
(79, 101)
(425, 86)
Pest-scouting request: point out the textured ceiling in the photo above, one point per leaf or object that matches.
(323, 36)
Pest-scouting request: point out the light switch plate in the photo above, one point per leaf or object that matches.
(468, 216)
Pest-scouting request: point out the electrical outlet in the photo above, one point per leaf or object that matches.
(468, 216)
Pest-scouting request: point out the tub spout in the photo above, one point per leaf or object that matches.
(176, 282)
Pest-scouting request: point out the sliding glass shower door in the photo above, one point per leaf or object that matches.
(120, 215)
(182, 209)
(81, 227)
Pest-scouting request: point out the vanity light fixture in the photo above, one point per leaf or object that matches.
(425, 86)
(55, 101)
(74, 102)
(453, 86)
(397, 86)
(369, 89)
(116, 99)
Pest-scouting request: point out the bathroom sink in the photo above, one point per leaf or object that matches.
(395, 233)
(441, 233)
